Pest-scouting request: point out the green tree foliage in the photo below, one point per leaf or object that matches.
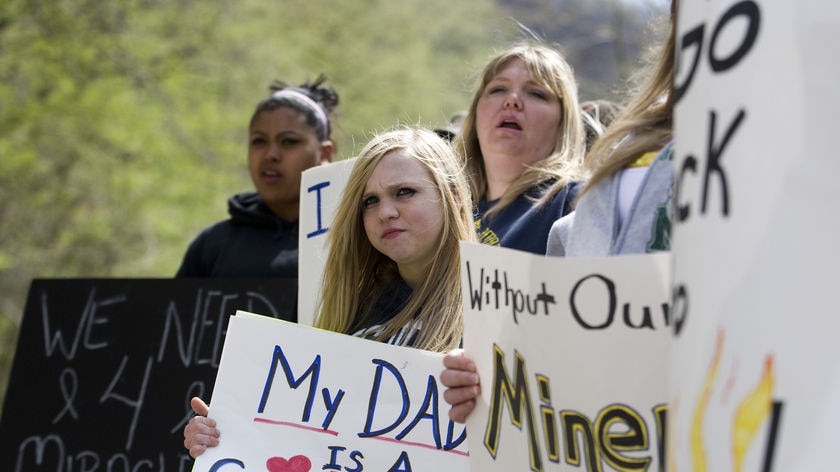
(123, 124)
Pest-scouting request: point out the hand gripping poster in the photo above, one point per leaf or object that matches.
(572, 355)
(291, 398)
(755, 371)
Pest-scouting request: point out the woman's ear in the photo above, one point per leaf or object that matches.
(327, 152)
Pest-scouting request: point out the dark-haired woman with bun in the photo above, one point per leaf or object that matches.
(289, 132)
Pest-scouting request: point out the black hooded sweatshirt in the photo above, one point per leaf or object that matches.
(252, 243)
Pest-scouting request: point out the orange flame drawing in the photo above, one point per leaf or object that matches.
(698, 449)
(750, 414)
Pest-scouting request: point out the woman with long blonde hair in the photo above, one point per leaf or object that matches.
(635, 152)
(625, 207)
(523, 142)
(393, 270)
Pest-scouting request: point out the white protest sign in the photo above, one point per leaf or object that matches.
(573, 359)
(321, 189)
(292, 398)
(756, 362)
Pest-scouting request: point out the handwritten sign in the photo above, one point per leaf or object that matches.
(320, 191)
(105, 368)
(295, 398)
(573, 359)
(755, 362)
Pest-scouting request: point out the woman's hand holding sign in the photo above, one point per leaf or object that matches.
(462, 386)
(201, 431)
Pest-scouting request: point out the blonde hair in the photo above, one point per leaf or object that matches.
(645, 124)
(548, 67)
(356, 275)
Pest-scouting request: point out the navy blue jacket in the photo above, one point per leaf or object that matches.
(521, 225)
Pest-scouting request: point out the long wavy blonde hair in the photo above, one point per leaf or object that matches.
(356, 275)
(548, 67)
(646, 122)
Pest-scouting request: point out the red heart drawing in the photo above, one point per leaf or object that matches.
(295, 464)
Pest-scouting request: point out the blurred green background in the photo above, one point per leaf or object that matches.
(123, 125)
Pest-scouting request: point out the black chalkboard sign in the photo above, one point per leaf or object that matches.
(105, 368)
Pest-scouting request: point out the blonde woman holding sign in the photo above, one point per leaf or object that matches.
(634, 153)
(393, 271)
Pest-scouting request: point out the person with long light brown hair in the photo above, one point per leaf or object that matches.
(393, 269)
(605, 222)
(523, 143)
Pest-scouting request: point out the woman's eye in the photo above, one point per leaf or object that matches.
(289, 142)
(405, 192)
(257, 141)
(369, 201)
(542, 95)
